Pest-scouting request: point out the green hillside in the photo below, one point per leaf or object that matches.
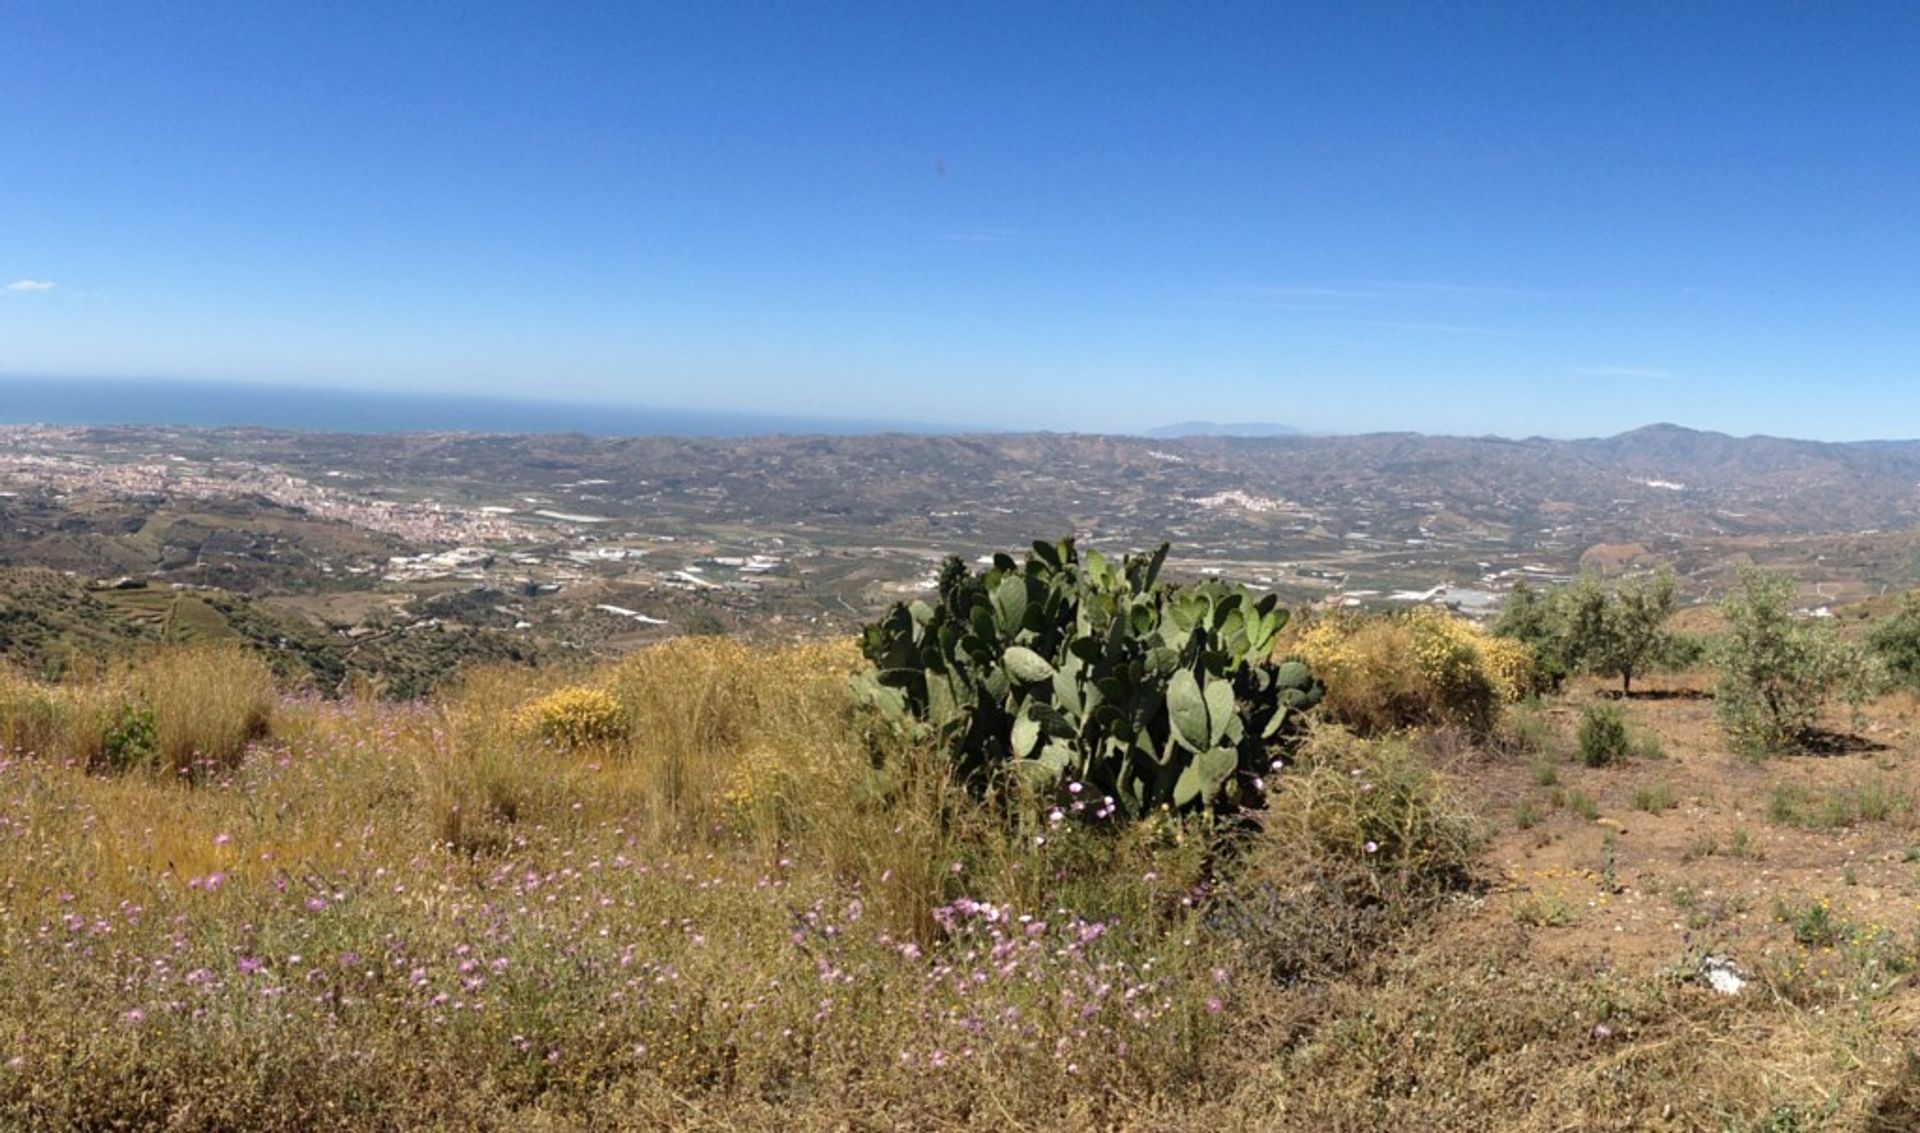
(52, 624)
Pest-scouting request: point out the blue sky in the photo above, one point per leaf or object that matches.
(1476, 218)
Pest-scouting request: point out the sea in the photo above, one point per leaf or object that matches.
(27, 400)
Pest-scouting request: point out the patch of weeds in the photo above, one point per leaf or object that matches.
(1703, 909)
(1740, 844)
(1530, 729)
(1813, 924)
(1359, 843)
(1580, 804)
(1874, 801)
(1849, 877)
(1545, 774)
(1544, 910)
(1646, 745)
(1912, 854)
(1868, 801)
(1793, 1117)
(1836, 813)
(1704, 846)
(1610, 862)
(1843, 960)
(1787, 806)
(1526, 816)
(1656, 799)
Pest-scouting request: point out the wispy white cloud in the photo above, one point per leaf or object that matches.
(1644, 372)
(31, 286)
(1439, 328)
(1466, 290)
(1290, 298)
(984, 236)
(1390, 290)
(1381, 297)
(1293, 292)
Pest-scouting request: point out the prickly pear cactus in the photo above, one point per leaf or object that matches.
(1068, 672)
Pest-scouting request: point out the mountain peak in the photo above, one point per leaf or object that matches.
(1216, 429)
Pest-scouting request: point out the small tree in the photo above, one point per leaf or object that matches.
(1584, 628)
(1529, 617)
(1586, 625)
(1896, 643)
(1777, 670)
(1637, 637)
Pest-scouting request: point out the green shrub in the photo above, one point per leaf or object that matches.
(1814, 924)
(1061, 671)
(130, 741)
(1603, 736)
(1777, 671)
(1531, 617)
(1896, 642)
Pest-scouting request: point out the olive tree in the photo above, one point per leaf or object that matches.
(1778, 669)
(1583, 627)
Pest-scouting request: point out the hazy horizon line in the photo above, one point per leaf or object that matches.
(693, 421)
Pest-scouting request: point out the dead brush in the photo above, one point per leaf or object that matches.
(1358, 841)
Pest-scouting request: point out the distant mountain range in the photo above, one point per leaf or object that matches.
(1216, 429)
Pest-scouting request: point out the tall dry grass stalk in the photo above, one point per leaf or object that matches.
(717, 728)
(179, 711)
(35, 719)
(208, 704)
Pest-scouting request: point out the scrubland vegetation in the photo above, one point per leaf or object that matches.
(716, 885)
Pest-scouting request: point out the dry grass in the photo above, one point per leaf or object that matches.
(728, 916)
(177, 711)
(208, 704)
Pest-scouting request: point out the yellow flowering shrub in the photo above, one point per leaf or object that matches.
(1415, 668)
(575, 717)
(1513, 667)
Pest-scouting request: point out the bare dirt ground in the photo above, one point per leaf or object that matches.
(1701, 847)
